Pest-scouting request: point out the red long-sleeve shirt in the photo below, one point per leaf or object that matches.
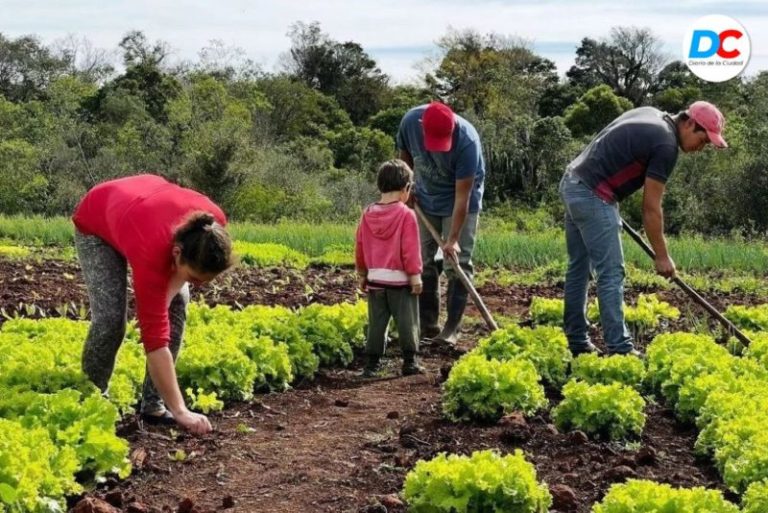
(387, 244)
(138, 217)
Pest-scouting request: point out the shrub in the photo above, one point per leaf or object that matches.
(269, 255)
(755, 499)
(482, 482)
(645, 315)
(485, 390)
(625, 369)
(334, 330)
(9, 251)
(545, 347)
(614, 411)
(547, 311)
(748, 317)
(639, 496)
(674, 358)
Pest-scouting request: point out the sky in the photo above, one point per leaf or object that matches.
(399, 34)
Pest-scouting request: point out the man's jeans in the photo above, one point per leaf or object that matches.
(593, 238)
(429, 247)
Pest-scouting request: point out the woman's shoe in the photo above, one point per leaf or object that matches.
(164, 419)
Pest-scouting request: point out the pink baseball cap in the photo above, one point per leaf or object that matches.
(438, 123)
(711, 120)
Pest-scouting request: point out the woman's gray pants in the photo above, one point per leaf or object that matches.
(105, 272)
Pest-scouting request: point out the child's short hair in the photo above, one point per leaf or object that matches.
(393, 175)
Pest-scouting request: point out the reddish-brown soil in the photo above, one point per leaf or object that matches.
(343, 444)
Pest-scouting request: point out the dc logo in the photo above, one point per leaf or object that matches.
(716, 42)
(716, 48)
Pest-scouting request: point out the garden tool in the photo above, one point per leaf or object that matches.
(463, 279)
(729, 326)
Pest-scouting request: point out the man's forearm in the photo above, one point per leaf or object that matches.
(460, 207)
(653, 222)
(457, 220)
(163, 374)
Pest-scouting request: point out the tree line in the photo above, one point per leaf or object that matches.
(303, 142)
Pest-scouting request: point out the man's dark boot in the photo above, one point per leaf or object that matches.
(372, 368)
(456, 303)
(411, 365)
(588, 349)
(429, 305)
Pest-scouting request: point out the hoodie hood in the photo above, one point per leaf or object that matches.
(384, 220)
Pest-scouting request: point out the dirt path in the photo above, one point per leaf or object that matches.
(342, 444)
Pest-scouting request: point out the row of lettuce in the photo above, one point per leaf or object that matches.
(724, 394)
(62, 427)
(57, 431)
(489, 481)
(249, 253)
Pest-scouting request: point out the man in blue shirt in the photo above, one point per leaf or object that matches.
(444, 151)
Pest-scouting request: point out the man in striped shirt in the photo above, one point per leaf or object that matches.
(637, 150)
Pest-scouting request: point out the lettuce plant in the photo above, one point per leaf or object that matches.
(484, 390)
(482, 482)
(612, 411)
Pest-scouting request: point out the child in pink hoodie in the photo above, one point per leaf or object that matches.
(388, 264)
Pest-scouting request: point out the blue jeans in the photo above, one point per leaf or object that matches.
(593, 239)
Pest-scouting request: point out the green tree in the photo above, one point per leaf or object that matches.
(628, 62)
(143, 79)
(400, 100)
(213, 129)
(360, 149)
(137, 51)
(23, 188)
(26, 68)
(284, 181)
(298, 110)
(525, 159)
(594, 110)
(557, 97)
(492, 75)
(342, 70)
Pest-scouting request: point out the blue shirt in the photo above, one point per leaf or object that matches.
(436, 172)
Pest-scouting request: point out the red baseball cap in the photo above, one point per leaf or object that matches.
(711, 120)
(438, 123)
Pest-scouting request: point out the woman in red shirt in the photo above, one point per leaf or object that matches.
(169, 236)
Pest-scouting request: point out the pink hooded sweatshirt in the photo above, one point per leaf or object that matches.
(387, 245)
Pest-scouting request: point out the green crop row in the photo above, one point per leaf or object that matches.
(647, 314)
(727, 397)
(55, 425)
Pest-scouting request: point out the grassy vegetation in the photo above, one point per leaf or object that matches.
(499, 244)
(309, 238)
(37, 230)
